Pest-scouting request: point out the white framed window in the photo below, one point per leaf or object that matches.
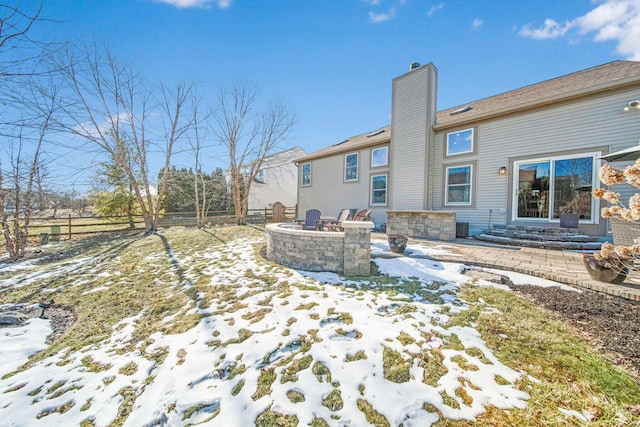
(549, 187)
(306, 174)
(379, 190)
(458, 185)
(379, 157)
(351, 167)
(260, 177)
(460, 142)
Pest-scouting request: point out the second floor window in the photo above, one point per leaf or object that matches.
(379, 156)
(306, 174)
(351, 167)
(460, 142)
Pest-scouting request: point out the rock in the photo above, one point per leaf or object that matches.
(485, 275)
(12, 318)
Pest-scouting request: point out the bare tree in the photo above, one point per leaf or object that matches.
(248, 135)
(22, 178)
(113, 109)
(16, 20)
(205, 191)
(199, 183)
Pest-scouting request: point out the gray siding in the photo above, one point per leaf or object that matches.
(413, 113)
(597, 123)
(330, 193)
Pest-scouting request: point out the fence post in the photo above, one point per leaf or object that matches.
(69, 226)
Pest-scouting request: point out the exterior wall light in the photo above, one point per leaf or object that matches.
(502, 170)
(632, 104)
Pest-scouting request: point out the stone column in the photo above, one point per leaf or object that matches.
(357, 247)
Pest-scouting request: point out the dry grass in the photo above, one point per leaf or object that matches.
(132, 275)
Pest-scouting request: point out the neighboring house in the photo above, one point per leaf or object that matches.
(277, 180)
(522, 157)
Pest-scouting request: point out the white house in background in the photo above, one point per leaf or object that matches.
(522, 157)
(277, 180)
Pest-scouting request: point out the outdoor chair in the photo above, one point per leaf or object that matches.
(337, 224)
(311, 219)
(363, 215)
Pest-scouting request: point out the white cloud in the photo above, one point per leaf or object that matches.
(549, 30)
(434, 9)
(372, 2)
(185, 4)
(611, 20)
(477, 23)
(376, 18)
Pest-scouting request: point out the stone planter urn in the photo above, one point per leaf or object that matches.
(397, 243)
(610, 270)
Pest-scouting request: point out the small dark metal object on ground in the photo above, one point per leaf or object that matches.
(44, 306)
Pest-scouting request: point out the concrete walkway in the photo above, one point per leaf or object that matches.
(560, 266)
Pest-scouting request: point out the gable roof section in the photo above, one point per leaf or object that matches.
(581, 83)
(592, 80)
(377, 137)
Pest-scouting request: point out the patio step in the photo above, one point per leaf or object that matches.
(540, 237)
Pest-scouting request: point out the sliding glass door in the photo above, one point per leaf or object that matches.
(547, 188)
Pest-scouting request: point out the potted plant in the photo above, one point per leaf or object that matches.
(614, 261)
(397, 243)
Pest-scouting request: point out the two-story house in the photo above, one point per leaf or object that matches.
(522, 157)
(276, 180)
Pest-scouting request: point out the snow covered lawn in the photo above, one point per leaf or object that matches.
(252, 343)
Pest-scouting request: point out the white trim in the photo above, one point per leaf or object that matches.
(357, 166)
(595, 182)
(386, 190)
(460, 131)
(446, 186)
(302, 184)
(386, 156)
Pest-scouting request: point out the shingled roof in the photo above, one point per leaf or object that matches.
(581, 83)
(591, 80)
(376, 137)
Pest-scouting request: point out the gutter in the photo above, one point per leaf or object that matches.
(618, 84)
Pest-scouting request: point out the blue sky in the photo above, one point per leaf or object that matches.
(333, 60)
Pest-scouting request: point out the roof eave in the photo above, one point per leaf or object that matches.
(542, 102)
(346, 149)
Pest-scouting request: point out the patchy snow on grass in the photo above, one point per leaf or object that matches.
(18, 343)
(525, 279)
(414, 249)
(309, 345)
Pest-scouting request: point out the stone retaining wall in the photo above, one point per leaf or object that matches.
(345, 252)
(434, 225)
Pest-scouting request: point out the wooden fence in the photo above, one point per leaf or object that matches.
(69, 226)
